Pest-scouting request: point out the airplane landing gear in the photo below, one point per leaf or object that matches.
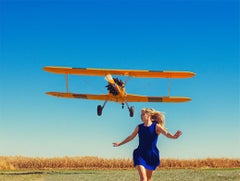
(131, 111)
(99, 110)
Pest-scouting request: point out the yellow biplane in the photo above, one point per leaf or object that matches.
(116, 87)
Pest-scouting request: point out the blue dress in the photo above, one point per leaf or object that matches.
(147, 154)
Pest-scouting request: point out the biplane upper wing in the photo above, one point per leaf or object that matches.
(128, 98)
(131, 73)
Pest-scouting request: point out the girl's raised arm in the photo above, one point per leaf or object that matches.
(160, 129)
(129, 138)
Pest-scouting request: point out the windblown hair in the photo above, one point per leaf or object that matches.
(156, 116)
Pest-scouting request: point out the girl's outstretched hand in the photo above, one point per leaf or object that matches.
(115, 144)
(177, 134)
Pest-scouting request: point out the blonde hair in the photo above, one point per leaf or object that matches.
(156, 116)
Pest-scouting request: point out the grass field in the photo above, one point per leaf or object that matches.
(19, 168)
(122, 175)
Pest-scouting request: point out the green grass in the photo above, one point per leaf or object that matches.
(123, 175)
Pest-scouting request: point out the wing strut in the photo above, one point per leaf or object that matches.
(127, 79)
(66, 82)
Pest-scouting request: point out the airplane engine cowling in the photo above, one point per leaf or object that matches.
(112, 89)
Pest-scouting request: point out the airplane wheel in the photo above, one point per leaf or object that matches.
(99, 110)
(131, 110)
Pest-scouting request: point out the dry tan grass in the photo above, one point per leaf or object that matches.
(34, 163)
(201, 163)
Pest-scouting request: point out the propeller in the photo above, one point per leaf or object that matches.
(109, 78)
(112, 87)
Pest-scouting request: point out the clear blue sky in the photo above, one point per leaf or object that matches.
(199, 36)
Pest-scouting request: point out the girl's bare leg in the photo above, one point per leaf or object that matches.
(149, 174)
(142, 172)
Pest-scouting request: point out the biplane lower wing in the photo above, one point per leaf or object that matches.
(128, 98)
(139, 98)
(130, 73)
(79, 96)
